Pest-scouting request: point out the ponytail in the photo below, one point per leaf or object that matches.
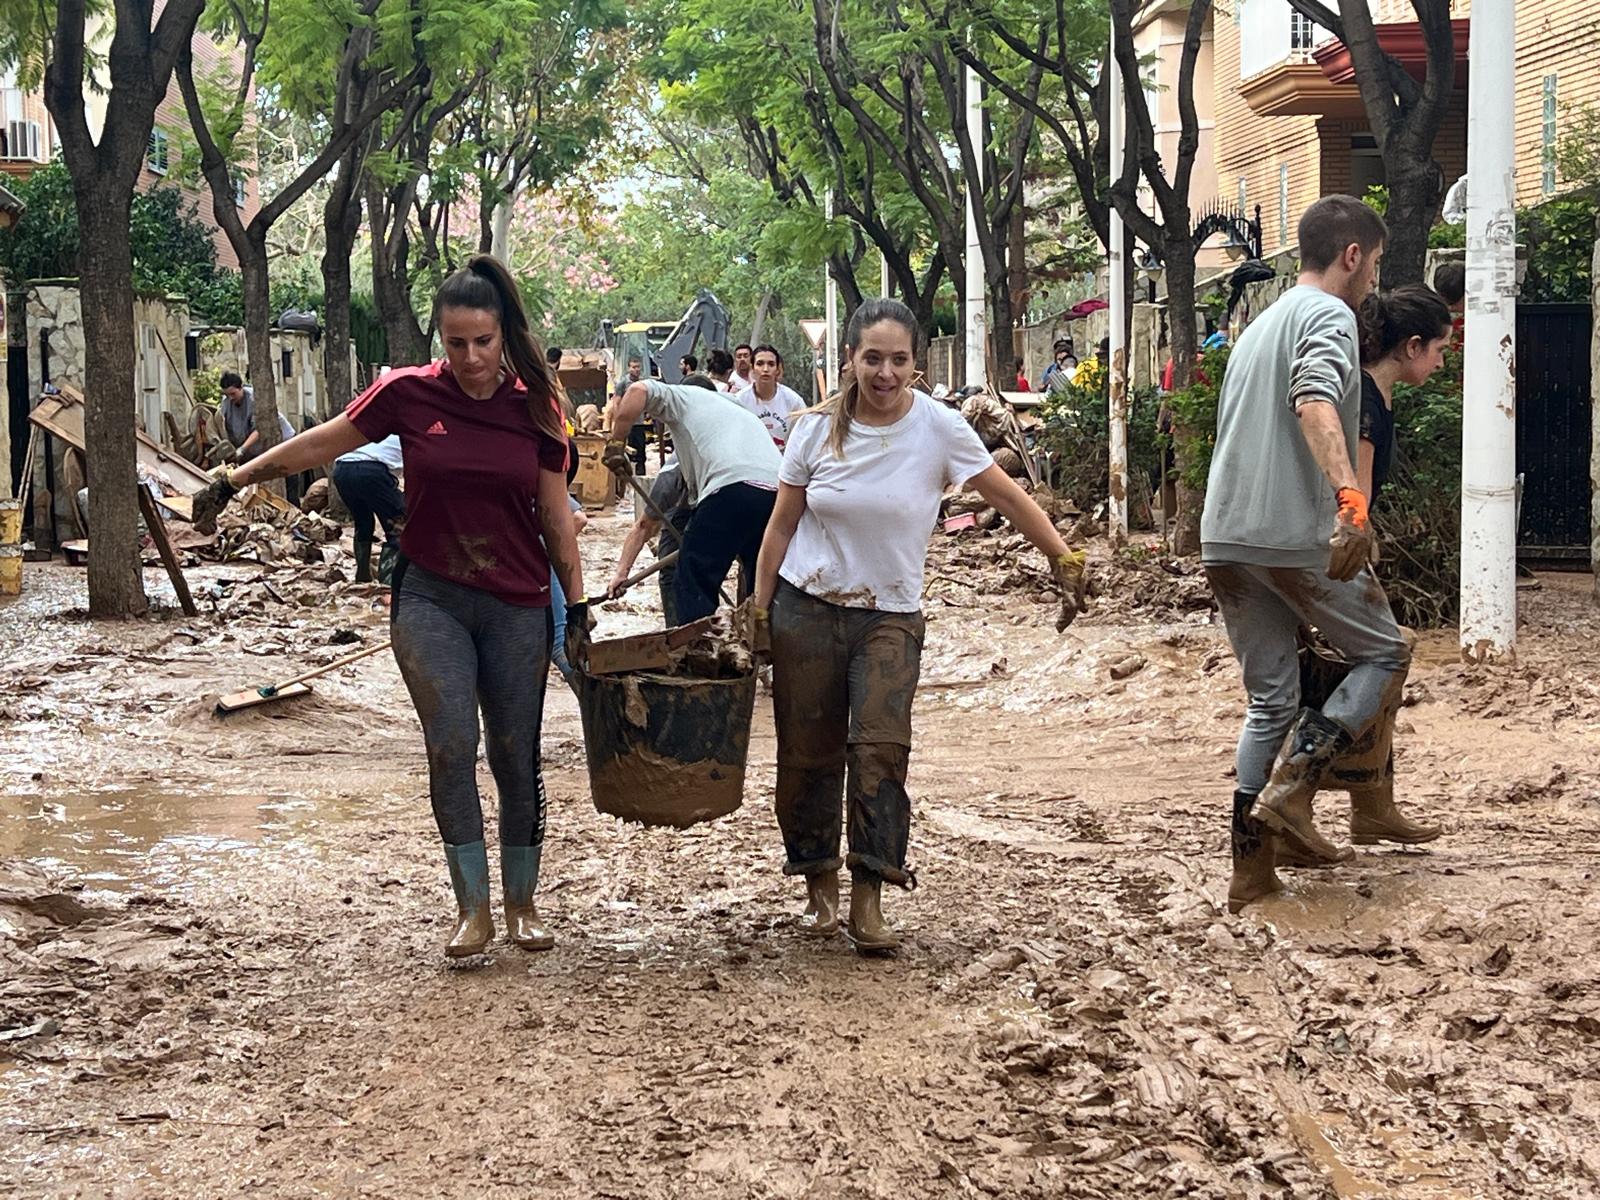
(1391, 319)
(484, 284)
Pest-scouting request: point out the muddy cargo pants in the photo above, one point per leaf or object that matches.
(842, 685)
(1263, 609)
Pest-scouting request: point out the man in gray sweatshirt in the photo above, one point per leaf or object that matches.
(1285, 541)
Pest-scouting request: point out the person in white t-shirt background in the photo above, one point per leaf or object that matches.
(839, 583)
(769, 398)
(743, 367)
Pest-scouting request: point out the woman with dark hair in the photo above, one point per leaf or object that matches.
(487, 523)
(1404, 334)
(839, 579)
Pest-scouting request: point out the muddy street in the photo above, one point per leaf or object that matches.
(220, 967)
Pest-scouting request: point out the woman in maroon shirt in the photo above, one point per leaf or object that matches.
(485, 456)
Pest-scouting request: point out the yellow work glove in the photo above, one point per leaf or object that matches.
(1068, 570)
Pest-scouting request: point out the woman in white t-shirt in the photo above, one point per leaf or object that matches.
(840, 581)
(769, 398)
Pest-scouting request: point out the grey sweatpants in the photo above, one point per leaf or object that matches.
(1263, 608)
(461, 649)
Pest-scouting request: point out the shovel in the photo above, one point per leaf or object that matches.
(270, 692)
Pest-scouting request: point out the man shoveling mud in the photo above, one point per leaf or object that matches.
(1283, 477)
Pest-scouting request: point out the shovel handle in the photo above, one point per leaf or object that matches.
(650, 506)
(664, 561)
(333, 666)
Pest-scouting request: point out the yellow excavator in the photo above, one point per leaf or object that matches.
(658, 345)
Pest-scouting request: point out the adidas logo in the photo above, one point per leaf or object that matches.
(437, 427)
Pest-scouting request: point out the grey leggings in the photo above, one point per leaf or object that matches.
(1263, 608)
(460, 649)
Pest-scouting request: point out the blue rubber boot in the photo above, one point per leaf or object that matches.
(519, 872)
(469, 877)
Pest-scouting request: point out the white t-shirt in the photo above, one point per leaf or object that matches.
(862, 541)
(717, 442)
(776, 414)
(386, 452)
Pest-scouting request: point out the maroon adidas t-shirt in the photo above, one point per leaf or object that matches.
(472, 478)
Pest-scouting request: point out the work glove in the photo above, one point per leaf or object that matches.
(1352, 544)
(761, 633)
(616, 459)
(211, 500)
(1067, 569)
(579, 622)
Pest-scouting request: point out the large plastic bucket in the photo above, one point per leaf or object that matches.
(665, 749)
(10, 570)
(1369, 761)
(10, 522)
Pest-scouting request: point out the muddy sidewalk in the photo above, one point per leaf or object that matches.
(220, 969)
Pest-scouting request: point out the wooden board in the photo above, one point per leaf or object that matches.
(251, 698)
(642, 651)
(62, 415)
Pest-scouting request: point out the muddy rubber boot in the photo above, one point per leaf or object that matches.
(363, 553)
(868, 932)
(822, 904)
(469, 877)
(1375, 817)
(1284, 805)
(1254, 856)
(519, 874)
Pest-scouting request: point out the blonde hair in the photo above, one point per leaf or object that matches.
(841, 406)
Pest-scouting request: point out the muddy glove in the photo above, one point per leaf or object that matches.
(1067, 570)
(761, 633)
(1351, 546)
(615, 458)
(579, 622)
(211, 500)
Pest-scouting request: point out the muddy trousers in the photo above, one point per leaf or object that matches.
(842, 684)
(461, 650)
(1263, 609)
(726, 525)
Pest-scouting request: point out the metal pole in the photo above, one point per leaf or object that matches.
(976, 343)
(1489, 411)
(830, 349)
(1118, 485)
(883, 274)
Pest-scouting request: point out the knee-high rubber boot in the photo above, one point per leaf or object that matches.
(1254, 857)
(822, 903)
(1284, 805)
(809, 801)
(519, 874)
(469, 877)
(363, 552)
(1375, 817)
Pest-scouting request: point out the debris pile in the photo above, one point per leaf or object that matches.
(266, 528)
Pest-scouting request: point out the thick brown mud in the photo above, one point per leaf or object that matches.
(220, 967)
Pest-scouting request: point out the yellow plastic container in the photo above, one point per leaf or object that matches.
(10, 570)
(10, 522)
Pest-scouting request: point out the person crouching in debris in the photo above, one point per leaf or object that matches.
(485, 457)
(1283, 478)
(840, 585)
(730, 468)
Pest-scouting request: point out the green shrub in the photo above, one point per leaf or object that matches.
(1077, 428)
(1194, 417)
(1560, 237)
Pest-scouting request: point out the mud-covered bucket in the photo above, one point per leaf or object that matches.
(666, 749)
(10, 522)
(10, 570)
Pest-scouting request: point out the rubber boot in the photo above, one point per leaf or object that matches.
(822, 904)
(469, 877)
(519, 874)
(1375, 817)
(868, 932)
(1254, 856)
(363, 552)
(1284, 805)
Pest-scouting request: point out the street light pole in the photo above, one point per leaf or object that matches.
(830, 291)
(1489, 409)
(1118, 417)
(976, 344)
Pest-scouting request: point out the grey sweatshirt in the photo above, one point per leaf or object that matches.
(1267, 501)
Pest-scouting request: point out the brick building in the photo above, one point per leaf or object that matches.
(1281, 121)
(28, 138)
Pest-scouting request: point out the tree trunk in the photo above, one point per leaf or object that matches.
(343, 217)
(844, 276)
(1413, 205)
(105, 292)
(1002, 338)
(1179, 253)
(258, 340)
(759, 325)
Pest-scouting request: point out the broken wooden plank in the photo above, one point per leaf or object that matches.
(158, 534)
(62, 415)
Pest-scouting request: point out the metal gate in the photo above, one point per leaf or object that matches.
(1554, 429)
